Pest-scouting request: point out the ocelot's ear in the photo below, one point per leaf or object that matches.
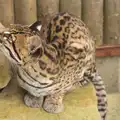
(36, 26)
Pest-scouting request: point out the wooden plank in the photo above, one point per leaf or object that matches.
(25, 11)
(71, 6)
(108, 50)
(6, 12)
(112, 22)
(92, 15)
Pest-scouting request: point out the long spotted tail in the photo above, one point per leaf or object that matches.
(101, 95)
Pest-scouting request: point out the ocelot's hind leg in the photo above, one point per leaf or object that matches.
(54, 103)
(32, 101)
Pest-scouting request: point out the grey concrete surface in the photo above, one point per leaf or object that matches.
(109, 69)
(113, 107)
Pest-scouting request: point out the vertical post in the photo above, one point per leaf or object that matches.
(47, 8)
(92, 15)
(6, 12)
(25, 11)
(112, 22)
(71, 6)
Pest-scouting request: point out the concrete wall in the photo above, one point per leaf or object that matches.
(109, 68)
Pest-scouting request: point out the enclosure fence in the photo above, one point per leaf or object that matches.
(101, 16)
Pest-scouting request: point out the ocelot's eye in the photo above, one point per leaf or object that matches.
(7, 36)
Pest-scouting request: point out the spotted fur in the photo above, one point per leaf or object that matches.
(54, 66)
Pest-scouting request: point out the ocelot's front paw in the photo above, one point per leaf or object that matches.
(53, 104)
(32, 101)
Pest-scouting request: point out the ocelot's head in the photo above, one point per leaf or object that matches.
(17, 42)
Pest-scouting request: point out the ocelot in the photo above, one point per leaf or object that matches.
(50, 67)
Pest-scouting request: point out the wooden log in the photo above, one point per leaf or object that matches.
(112, 22)
(5, 66)
(5, 71)
(6, 12)
(71, 6)
(92, 15)
(47, 8)
(25, 11)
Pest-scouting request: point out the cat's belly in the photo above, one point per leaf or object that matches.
(41, 87)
